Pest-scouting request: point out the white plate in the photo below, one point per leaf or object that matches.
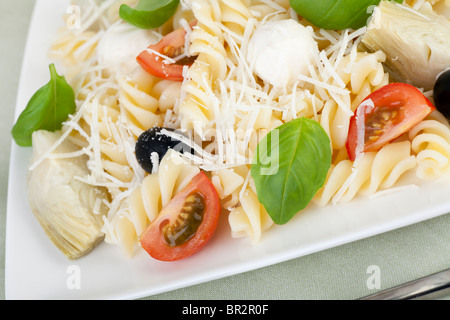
(35, 269)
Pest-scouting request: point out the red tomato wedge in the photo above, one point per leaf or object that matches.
(185, 224)
(172, 45)
(385, 115)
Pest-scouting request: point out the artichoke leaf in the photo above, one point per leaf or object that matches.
(69, 211)
(416, 43)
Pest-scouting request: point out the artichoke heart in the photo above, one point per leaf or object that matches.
(416, 43)
(70, 211)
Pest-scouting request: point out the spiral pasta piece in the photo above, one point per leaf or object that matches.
(247, 216)
(419, 3)
(375, 171)
(146, 200)
(207, 43)
(250, 219)
(270, 10)
(235, 15)
(120, 231)
(168, 94)
(300, 103)
(363, 73)
(108, 143)
(430, 140)
(335, 122)
(228, 184)
(138, 107)
(158, 189)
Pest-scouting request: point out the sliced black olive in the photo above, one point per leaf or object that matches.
(441, 93)
(154, 140)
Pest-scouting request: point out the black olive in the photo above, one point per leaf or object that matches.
(153, 140)
(441, 93)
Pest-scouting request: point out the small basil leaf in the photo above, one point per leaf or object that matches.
(47, 109)
(335, 14)
(290, 166)
(149, 14)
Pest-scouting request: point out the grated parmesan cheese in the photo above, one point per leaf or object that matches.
(365, 107)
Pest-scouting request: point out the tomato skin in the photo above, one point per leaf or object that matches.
(154, 64)
(152, 239)
(403, 103)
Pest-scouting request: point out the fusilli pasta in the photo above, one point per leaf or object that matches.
(430, 140)
(247, 217)
(373, 172)
(146, 200)
(139, 107)
(210, 66)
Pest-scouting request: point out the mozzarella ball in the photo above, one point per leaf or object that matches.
(280, 51)
(121, 44)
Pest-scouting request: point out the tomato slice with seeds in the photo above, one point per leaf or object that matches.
(185, 224)
(172, 45)
(386, 114)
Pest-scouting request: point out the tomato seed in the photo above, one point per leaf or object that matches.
(187, 222)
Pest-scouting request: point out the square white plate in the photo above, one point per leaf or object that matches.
(35, 269)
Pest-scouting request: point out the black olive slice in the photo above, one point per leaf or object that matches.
(154, 140)
(441, 93)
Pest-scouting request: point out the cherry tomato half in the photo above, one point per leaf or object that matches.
(172, 46)
(387, 113)
(185, 224)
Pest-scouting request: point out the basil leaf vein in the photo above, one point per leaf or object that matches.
(149, 14)
(335, 15)
(47, 109)
(290, 165)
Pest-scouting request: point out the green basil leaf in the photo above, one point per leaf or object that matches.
(47, 109)
(335, 14)
(290, 166)
(149, 13)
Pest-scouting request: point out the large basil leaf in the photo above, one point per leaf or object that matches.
(290, 166)
(47, 109)
(149, 13)
(335, 14)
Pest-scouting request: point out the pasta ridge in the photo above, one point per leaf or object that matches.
(146, 200)
(430, 140)
(210, 66)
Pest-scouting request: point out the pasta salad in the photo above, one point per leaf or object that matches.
(166, 115)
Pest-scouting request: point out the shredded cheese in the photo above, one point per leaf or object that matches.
(365, 107)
